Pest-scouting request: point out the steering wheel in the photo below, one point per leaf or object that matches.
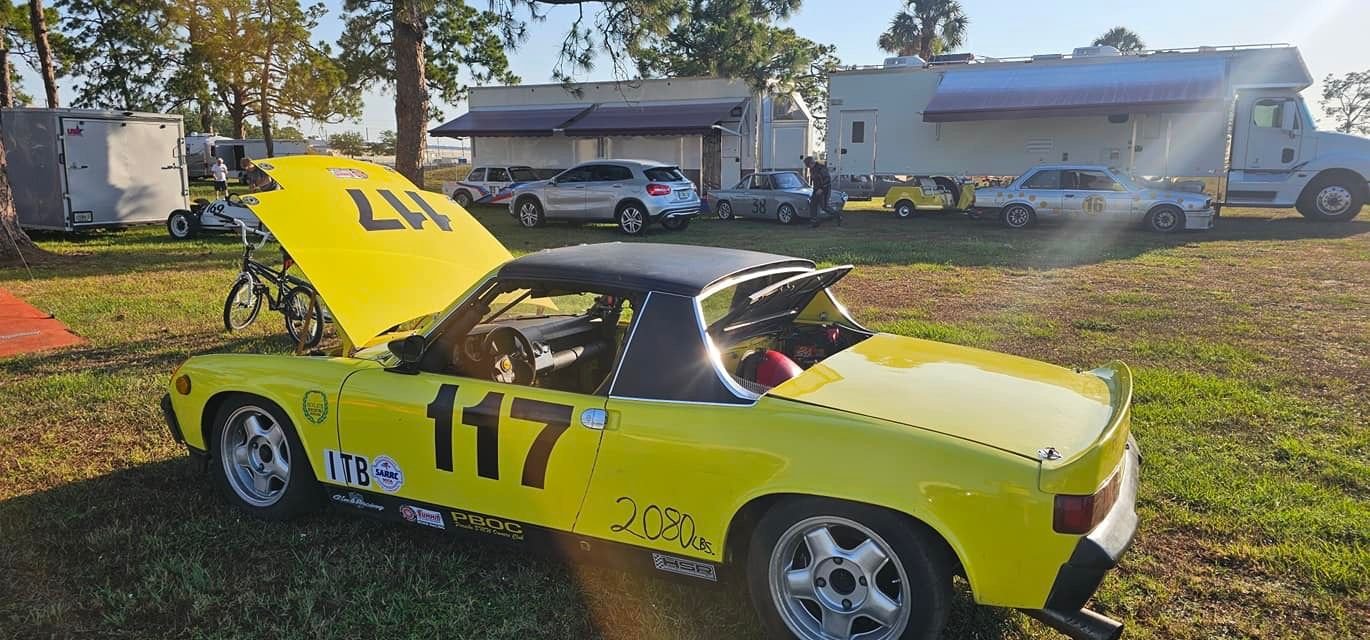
(234, 199)
(510, 355)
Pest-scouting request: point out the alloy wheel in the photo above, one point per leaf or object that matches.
(256, 456)
(630, 220)
(832, 577)
(528, 214)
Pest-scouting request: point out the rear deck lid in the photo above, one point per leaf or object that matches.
(379, 250)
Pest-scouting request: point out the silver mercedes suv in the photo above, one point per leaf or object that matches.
(633, 194)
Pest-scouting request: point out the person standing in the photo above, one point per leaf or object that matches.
(821, 181)
(219, 171)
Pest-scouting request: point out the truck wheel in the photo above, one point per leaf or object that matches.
(819, 569)
(182, 225)
(463, 198)
(904, 209)
(1165, 219)
(1018, 216)
(1331, 199)
(724, 210)
(530, 213)
(259, 461)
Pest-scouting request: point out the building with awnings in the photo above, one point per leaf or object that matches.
(1158, 113)
(715, 129)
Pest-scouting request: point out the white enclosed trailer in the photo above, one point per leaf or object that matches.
(200, 154)
(1233, 114)
(233, 151)
(78, 168)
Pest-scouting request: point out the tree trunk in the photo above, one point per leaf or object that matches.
(40, 42)
(264, 105)
(13, 241)
(206, 116)
(6, 87)
(411, 90)
(237, 112)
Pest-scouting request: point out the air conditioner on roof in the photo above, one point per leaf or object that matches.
(904, 61)
(1096, 51)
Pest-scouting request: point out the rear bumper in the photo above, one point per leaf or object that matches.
(1097, 553)
(683, 211)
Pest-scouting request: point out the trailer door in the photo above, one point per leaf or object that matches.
(856, 142)
(122, 171)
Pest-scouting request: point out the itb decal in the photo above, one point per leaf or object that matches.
(357, 470)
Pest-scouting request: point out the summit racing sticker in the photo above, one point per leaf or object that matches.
(425, 517)
(356, 470)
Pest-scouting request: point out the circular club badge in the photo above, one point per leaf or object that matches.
(387, 473)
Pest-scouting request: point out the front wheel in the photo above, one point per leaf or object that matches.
(243, 303)
(677, 223)
(261, 464)
(785, 214)
(820, 569)
(1165, 219)
(463, 198)
(182, 225)
(1328, 199)
(304, 316)
(1017, 216)
(631, 219)
(530, 213)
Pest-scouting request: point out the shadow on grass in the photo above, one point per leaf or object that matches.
(153, 550)
(150, 353)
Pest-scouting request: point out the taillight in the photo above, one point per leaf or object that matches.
(1079, 514)
(658, 189)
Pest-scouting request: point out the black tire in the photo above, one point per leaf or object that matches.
(462, 197)
(678, 223)
(724, 210)
(904, 209)
(924, 559)
(1331, 198)
(631, 218)
(1017, 216)
(1164, 219)
(298, 495)
(529, 213)
(182, 225)
(786, 214)
(303, 313)
(244, 299)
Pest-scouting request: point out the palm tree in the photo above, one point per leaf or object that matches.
(1124, 39)
(902, 38)
(939, 21)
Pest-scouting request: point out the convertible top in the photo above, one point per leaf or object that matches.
(668, 268)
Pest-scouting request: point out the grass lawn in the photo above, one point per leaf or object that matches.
(1251, 345)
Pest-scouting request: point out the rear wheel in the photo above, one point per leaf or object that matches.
(1018, 216)
(243, 304)
(725, 210)
(1331, 199)
(182, 224)
(261, 463)
(631, 219)
(530, 213)
(820, 569)
(785, 214)
(904, 209)
(1165, 219)
(304, 316)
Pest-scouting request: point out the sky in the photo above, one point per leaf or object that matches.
(1331, 34)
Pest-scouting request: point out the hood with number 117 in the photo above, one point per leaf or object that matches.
(379, 250)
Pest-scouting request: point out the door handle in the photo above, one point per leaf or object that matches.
(594, 419)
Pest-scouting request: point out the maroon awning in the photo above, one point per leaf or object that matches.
(538, 121)
(661, 119)
(1035, 90)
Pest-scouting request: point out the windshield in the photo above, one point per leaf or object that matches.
(664, 174)
(522, 174)
(787, 181)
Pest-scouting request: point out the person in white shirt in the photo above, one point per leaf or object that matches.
(220, 174)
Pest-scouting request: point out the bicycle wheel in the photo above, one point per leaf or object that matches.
(303, 316)
(242, 305)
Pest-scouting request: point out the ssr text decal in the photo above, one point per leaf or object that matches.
(357, 470)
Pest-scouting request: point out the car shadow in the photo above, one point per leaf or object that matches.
(154, 550)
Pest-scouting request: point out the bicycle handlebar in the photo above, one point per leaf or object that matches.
(243, 230)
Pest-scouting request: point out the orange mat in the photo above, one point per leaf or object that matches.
(24, 329)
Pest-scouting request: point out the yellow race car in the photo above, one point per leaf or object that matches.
(936, 193)
(694, 412)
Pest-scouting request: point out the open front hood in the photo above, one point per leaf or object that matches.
(1002, 401)
(379, 250)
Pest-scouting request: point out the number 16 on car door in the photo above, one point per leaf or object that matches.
(516, 452)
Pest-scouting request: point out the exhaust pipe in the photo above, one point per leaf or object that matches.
(1079, 625)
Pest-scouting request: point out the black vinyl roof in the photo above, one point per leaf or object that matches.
(640, 266)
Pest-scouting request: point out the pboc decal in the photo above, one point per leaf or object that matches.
(356, 470)
(366, 216)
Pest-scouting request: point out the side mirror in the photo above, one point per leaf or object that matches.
(408, 349)
(553, 181)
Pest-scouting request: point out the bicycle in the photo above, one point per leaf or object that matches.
(295, 299)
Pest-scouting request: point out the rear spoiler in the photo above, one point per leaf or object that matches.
(1086, 471)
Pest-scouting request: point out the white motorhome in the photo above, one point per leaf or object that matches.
(1233, 114)
(200, 153)
(72, 169)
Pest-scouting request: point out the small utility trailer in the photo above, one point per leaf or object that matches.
(73, 169)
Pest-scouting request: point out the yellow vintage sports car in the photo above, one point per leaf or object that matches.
(701, 413)
(923, 193)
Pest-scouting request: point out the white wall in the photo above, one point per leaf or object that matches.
(553, 152)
